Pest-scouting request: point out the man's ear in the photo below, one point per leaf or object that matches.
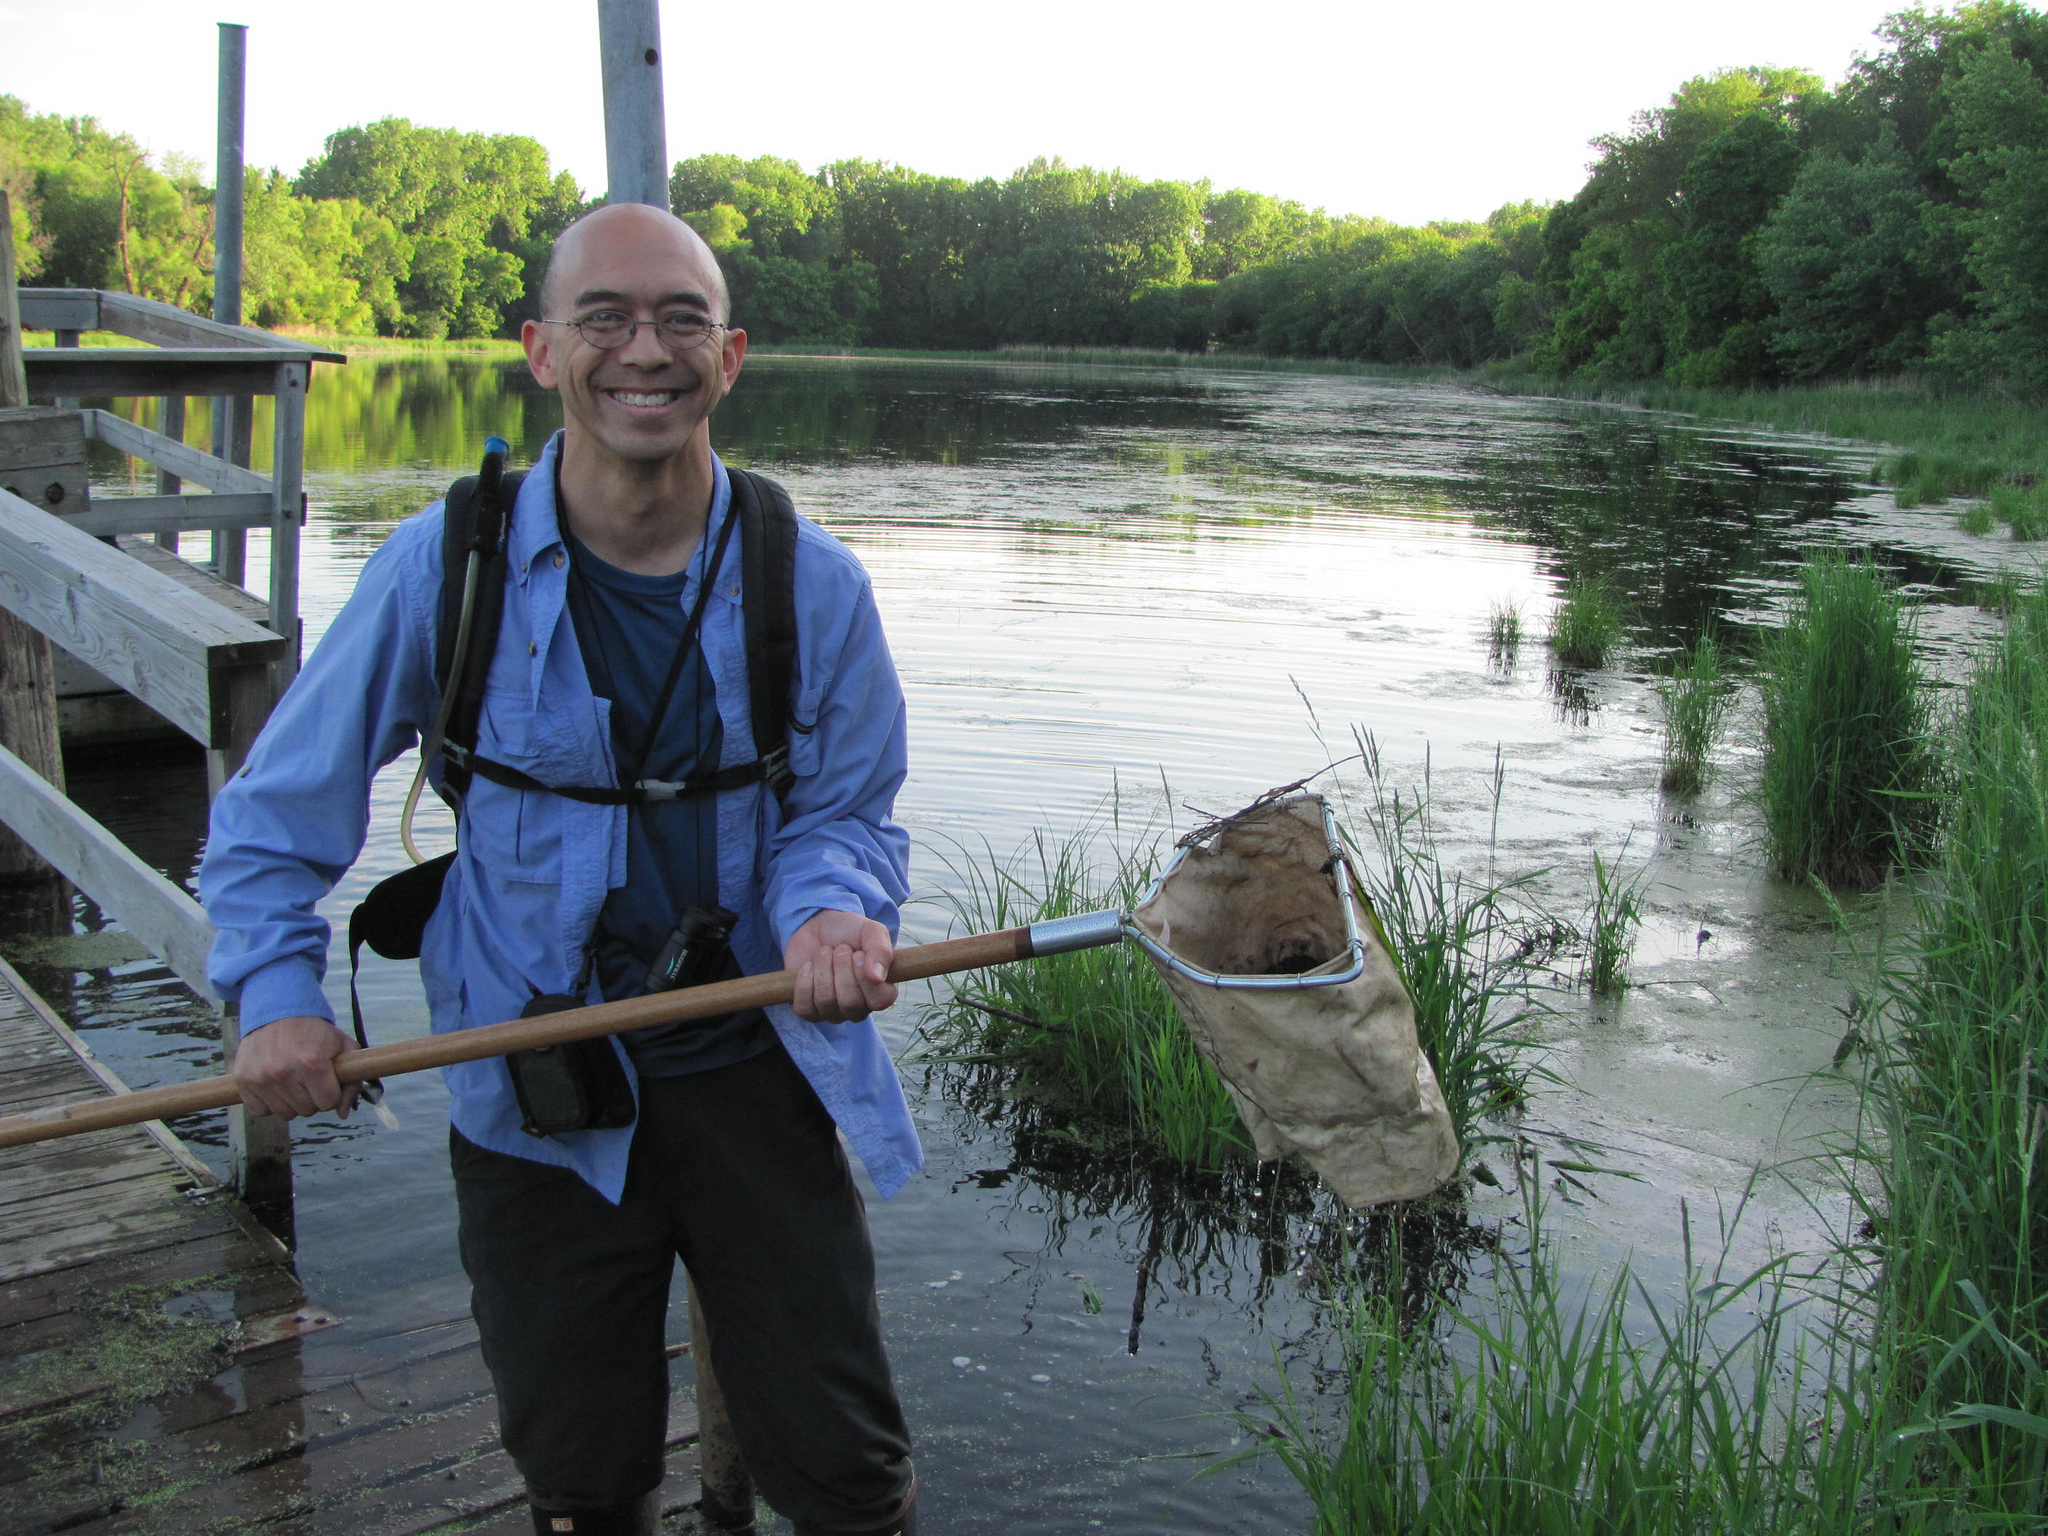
(733, 353)
(535, 338)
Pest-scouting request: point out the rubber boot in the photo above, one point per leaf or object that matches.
(636, 1517)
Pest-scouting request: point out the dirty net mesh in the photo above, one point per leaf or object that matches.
(1333, 1073)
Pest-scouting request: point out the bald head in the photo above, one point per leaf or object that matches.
(633, 233)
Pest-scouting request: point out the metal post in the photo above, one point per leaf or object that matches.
(287, 474)
(228, 432)
(635, 138)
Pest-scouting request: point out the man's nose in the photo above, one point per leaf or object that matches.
(644, 347)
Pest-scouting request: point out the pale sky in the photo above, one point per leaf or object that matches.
(1406, 110)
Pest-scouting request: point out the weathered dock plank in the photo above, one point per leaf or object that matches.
(153, 1376)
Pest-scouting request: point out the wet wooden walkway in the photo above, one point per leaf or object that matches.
(152, 1354)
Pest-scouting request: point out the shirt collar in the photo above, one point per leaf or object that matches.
(536, 521)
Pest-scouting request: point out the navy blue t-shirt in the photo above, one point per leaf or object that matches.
(628, 627)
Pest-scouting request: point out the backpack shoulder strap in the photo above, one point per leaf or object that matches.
(768, 581)
(458, 528)
(463, 530)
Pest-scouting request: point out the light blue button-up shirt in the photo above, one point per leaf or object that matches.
(532, 869)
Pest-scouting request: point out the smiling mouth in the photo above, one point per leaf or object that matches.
(644, 399)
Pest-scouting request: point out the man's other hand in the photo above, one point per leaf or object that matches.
(287, 1068)
(841, 960)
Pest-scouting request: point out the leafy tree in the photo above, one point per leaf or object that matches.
(1246, 229)
(1843, 258)
(788, 212)
(1720, 307)
(1604, 258)
(1998, 123)
(468, 202)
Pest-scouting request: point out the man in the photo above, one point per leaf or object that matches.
(622, 656)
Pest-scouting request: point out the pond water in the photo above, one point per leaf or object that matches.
(1169, 591)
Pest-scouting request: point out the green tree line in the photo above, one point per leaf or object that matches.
(1760, 227)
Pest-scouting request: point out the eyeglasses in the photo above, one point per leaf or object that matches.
(679, 330)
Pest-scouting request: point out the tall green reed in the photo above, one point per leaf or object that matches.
(1614, 919)
(1586, 625)
(1851, 767)
(1955, 1201)
(1619, 1412)
(1504, 632)
(1470, 946)
(1091, 1036)
(1695, 706)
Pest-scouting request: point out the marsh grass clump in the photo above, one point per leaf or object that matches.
(1586, 625)
(1695, 705)
(1929, 478)
(1959, 1094)
(2022, 509)
(1091, 1044)
(1090, 1039)
(1616, 916)
(1504, 632)
(1977, 519)
(1711, 1408)
(1467, 945)
(1851, 767)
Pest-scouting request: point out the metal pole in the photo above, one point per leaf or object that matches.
(635, 139)
(227, 267)
(227, 179)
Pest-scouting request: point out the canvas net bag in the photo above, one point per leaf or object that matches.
(1330, 1071)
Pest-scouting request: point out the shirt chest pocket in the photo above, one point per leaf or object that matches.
(516, 834)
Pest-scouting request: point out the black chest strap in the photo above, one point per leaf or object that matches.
(766, 522)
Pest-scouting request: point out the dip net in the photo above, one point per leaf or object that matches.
(1289, 988)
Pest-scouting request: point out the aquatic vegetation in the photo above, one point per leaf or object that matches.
(1586, 625)
(1623, 1411)
(1469, 946)
(2022, 509)
(1090, 1036)
(1503, 632)
(1093, 1041)
(1927, 478)
(1977, 519)
(1958, 1096)
(1695, 705)
(1850, 762)
(1611, 927)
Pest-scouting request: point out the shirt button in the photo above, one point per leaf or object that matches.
(532, 649)
(560, 559)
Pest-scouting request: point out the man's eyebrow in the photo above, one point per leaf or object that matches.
(591, 296)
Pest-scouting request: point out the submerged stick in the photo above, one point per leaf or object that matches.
(719, 997)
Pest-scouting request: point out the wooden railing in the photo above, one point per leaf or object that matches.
(207, 669)
(187, 356)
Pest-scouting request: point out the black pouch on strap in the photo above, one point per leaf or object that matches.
(392, 920)
(575, 1086)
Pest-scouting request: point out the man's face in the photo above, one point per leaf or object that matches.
(644, 401)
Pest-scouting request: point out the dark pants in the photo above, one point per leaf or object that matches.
(738, 1171)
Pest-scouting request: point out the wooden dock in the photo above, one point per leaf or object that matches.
(161, 1370)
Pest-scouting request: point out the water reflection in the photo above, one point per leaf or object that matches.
(1237, 1235)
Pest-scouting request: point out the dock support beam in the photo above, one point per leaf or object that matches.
(635, 137)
